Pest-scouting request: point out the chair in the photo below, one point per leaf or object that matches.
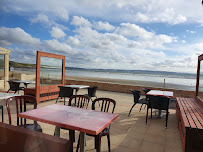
(92, 92)
(14, 86)
(2, 114)
(146, 91)
(147, 97)
(160, 103)
(20, 102)
(137, 100)
(80, 101)
(65, 92)
(106, 105)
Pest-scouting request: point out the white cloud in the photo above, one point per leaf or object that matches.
(73, 41)
(191, 32)
(57, 33)
(103, 26)
(172, 12)
(142, 17)
(17, 35)
(132, 30)
(167, 16)
(55, 45)
(80, 21)
(41, 18)
(139, 37)
(62, 13)
(183, 41)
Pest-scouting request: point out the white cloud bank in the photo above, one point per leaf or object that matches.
(9, 36)
(125, 46)
(57, 33)
(172, 12)
(95, 43)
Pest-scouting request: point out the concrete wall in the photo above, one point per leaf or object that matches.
(1, 84)
(125, 88)
(22, 76)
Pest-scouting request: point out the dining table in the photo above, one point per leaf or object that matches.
(7, 95)
(161, 94)
(76, 87)
(25, 82)
(4, 96)
(82, 120)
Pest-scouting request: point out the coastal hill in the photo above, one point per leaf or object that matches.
(21, 65)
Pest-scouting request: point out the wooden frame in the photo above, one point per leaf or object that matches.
(198, 98)
(47, 92)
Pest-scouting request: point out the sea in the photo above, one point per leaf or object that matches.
(183, 81)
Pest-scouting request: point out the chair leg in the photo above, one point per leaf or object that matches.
(2, 114)
(64, 100)
(98, 102)
(72, 135)
(147, 115)
(141, 107)
(109, 145)
(151, 113)
(57, 99)
(166, 119)
(78, 145)
(131, 109)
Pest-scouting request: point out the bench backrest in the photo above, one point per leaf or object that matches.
(16, 139)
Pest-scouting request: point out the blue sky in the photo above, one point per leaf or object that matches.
(116, 34)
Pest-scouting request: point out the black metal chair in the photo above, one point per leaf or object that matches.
(137, 99)
(107, 105)
(92, 92)
(20, 105)
(80, 101)
(160, 103)
(64, 92)
(14, 86)
(146, 96)
(2, 114)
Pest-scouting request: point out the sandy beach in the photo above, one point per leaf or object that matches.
(134, 82)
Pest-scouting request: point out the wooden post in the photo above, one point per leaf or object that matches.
(6, 70)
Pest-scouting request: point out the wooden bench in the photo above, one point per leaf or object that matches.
(16, 139)
(189, 114)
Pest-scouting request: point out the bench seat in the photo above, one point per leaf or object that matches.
(16, 139)
(189, 114)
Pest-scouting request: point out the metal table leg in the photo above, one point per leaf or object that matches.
(57, 131)
(82, 141)
(2, 110)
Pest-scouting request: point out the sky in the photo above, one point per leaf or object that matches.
(106, 34)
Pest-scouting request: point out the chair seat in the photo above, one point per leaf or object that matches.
(31, 127)
(21, 88)
(102, 133)
(143, 101)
